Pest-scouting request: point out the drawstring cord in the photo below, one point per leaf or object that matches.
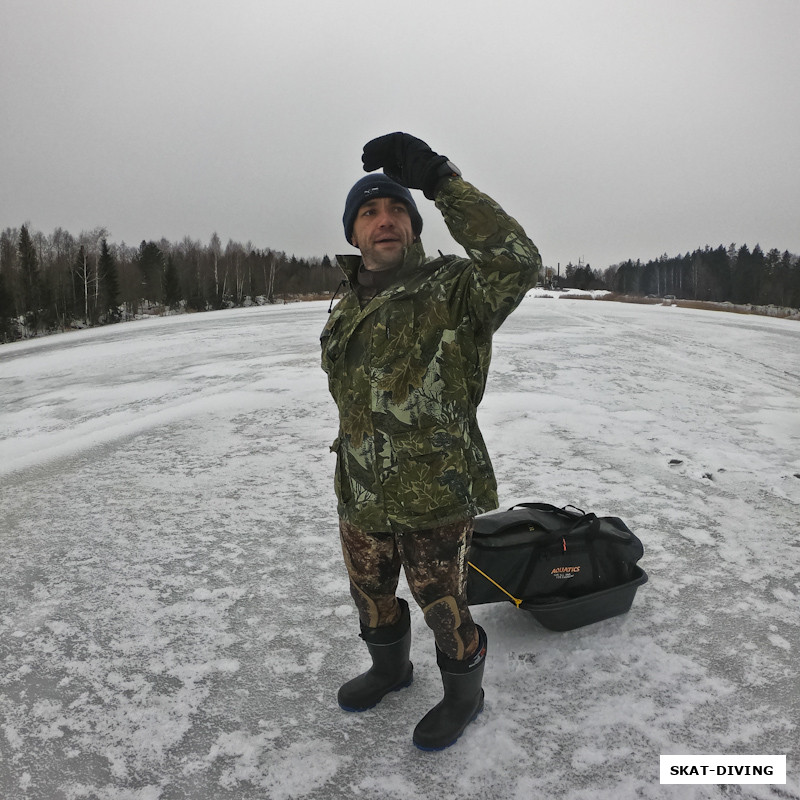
(517, 601)
(343, 283)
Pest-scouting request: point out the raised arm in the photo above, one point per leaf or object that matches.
(507, 262)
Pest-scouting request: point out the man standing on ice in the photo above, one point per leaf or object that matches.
(407, 354)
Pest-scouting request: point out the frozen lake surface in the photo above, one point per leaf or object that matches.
(174, 611)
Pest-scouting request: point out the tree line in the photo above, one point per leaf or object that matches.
(733, 274)
(60, 281)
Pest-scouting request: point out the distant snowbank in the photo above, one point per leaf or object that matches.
(780, 312)
(557, 294)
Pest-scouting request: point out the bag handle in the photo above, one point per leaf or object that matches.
(571, 516)
(591, 518)
(549, 507)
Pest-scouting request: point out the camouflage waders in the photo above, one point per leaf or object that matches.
(435, 564)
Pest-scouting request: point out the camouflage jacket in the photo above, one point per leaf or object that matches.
(408, 370)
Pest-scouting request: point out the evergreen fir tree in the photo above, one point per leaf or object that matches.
(794, 284)
(7, 327)
(109, 282)
(151, 267)
(172, 286)
(784, 280)
(31, 283)
(757, 275)
(740, 276)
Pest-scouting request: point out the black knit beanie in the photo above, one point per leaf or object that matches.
(370, 187)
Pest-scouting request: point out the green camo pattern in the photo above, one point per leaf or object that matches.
(408, 371)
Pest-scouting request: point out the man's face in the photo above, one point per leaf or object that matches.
(382, 231)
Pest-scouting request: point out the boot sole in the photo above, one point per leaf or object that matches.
(352, 709)
(450, 744)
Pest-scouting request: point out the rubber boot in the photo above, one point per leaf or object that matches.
(391, 669)
(462, 702)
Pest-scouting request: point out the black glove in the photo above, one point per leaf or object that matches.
(407, 160)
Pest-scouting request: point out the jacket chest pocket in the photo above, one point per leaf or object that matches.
(395, 331)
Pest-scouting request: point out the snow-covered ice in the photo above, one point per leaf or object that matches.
(174, 612)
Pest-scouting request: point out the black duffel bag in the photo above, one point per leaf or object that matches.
(567, 567)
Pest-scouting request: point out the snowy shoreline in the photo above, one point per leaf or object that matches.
(780, 312)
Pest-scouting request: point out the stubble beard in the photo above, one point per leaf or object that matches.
(375, 262)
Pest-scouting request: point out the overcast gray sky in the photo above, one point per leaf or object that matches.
(610, 129)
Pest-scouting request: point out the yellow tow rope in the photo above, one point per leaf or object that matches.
(516, 601)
